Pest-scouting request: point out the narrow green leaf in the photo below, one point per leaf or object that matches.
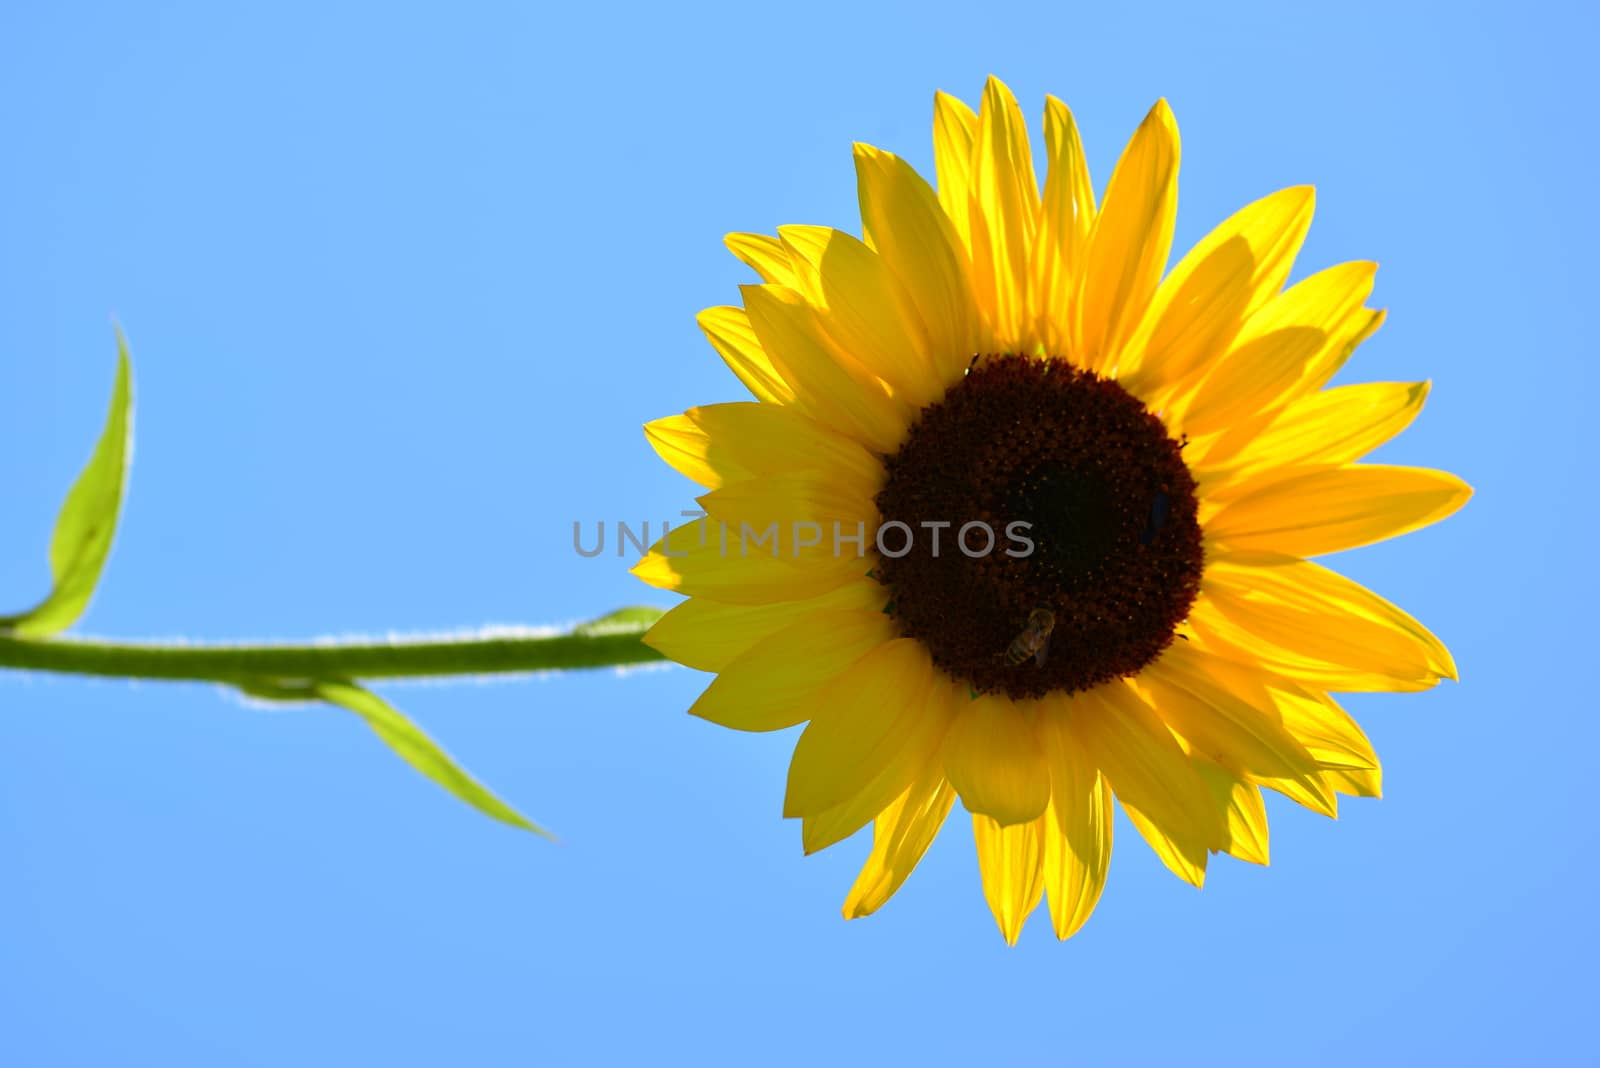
(88, 519)
(633, 620)
(412, 745)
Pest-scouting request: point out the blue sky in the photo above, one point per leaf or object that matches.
(401, 285)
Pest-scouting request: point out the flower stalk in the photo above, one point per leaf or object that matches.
(319, 672)
(608, 643)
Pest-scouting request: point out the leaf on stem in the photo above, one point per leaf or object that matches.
(88, 519)
(407, 739)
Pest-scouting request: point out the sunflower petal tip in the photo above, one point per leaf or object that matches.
(997, 94)
(815, 837)
(1070, 924)
(655, 570)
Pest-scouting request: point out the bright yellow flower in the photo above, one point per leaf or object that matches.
(1149, 462)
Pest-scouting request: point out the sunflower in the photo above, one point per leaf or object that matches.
(1015, 519)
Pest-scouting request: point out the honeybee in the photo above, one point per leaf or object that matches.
(1034, 640)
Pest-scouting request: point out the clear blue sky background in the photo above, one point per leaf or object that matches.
(401, 287)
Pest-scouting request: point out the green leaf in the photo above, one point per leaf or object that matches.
(88, 519)
(407, 739)
(634, 620)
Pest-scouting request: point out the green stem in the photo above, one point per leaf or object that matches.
(402, 658)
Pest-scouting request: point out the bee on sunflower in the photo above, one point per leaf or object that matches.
(992, 356)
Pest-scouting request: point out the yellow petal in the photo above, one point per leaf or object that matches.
(865, 309)
(1077, 835)
(1342, 752)
(718, 444)
(829, 387)
(877, 712)
(1253, 375)
(1204, 701)
(995, 760)
(1322, 301)
(1322, 616)
(1335, 426)
(702, 559)
(1128, 246)
(1066, 215)
(1314, 318)
(901, 219)
(955, 130)
(1357, 783)
(1311, 511)
(709, 636)
(917, 762)
(1218, 633)
(692, 452)
(763, 254)
(1011, 860)
(1163, 795)
(1246, 829)
(1224, 279)
(1343, 341)
(1329, 734)
(728, 329)
(781, 514)
(765, 688)
(900, 836)
(1311, 718)
(1005, 216)
(1241, 428)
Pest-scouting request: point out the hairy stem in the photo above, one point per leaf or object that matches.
(401, 658)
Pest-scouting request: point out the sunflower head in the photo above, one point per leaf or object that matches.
(1020, 517)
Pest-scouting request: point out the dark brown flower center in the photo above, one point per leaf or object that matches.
(1039, 451)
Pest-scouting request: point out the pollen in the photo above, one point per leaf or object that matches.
(1095, 517)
